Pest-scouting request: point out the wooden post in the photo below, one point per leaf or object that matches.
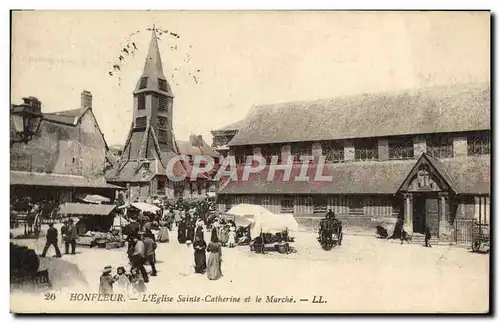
(408, 213)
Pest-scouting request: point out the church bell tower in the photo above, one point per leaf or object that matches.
(153, 99)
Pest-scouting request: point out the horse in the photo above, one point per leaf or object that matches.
(330, 233)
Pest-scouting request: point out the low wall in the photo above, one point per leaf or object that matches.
(349, 222)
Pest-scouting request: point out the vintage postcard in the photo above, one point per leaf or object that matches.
(250, 162)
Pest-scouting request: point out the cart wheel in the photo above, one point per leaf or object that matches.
(475, 245)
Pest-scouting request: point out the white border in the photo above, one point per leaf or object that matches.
(188, 5)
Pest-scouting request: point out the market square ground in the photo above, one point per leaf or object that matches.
(365, 274)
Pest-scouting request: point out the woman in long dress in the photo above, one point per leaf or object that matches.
(214, 262)
(224, 234)
(181, 231)
(190, 229)
(200, 258)
(163, 235)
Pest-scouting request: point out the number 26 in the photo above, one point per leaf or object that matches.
(50, 296)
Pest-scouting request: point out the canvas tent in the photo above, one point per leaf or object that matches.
(239, 220)
(94, 217)
(261, 219)
(273, 223)
(146, 207)
(95, 199)
(249, 211)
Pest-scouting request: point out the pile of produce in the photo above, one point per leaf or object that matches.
(104, 237)
(92, 238)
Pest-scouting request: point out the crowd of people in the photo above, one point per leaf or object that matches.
(191, 221)
(145, 230)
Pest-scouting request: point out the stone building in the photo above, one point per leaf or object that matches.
(420, 155)
(150, 145)
(66, 156)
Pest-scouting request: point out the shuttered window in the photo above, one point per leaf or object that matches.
(162, 103)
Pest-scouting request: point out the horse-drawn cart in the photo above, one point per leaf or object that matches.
(480, 237)
(330, 234)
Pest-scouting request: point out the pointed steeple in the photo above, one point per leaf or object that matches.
(152, 78)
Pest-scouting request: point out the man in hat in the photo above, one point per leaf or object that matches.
(149, 250)
(51, 241)
(106, 281)
(70, 237)
(138, 258)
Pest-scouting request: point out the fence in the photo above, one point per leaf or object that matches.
(463, 231)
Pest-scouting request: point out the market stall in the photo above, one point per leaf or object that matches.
(95, 224)
(268, 231)
(95, 199)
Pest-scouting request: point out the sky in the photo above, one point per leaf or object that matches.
(245, 58)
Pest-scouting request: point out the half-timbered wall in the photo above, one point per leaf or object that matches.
(342, 205)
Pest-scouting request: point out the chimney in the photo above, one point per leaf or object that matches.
(86, 99)
(34, 105)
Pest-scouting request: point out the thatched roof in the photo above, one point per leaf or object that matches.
(471, 175)
(457, 108)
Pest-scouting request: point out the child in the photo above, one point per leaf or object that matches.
(106, 281)
(232, 238)
(137, 281)
(122, 282)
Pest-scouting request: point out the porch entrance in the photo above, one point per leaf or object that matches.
(426, 211)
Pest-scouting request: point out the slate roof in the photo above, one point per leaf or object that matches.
(187, 148)
(40, 154)
(153, 70)
(56, 180)
(68, 117)
(462, 107)
(233, 126)
(471, 175)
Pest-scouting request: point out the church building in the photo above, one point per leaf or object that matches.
(150, 144)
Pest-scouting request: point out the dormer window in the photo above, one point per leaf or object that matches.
(162, 85)
(144, 83)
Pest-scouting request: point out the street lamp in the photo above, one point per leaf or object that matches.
(25, 119)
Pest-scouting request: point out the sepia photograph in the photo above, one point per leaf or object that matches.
(209, 162)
